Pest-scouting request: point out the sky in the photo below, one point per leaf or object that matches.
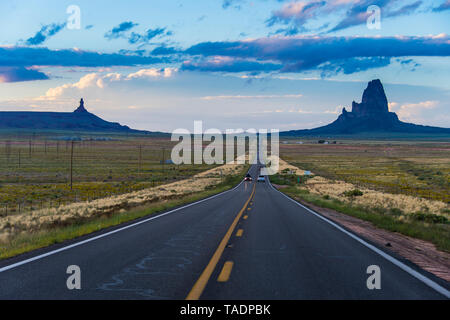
(274, 64)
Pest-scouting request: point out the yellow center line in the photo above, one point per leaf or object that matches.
(226, 271)
(202, 281)
(239, 233)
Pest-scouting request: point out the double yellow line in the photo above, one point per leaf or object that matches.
(202, 281)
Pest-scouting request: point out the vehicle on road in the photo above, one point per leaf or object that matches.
(248, 177)
(261, 179)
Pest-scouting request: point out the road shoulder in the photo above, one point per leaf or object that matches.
(420, 252)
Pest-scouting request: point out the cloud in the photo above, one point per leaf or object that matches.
(229, 64)
(120, 30)
(444, 6)
(326, 54)
(297, 14)
(150, 34)
(139, 52)
(305, 53)
(17, 74)
(228, 3)
(46, 32)
(352, 65)
(26, 56)
(412, 111)
(102, 81)
(411, 63)
(405, 10)
(16, 62)
(164, 50)
(153, 73)
(357, 14)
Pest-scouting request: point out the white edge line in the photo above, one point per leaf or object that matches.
(391, 259)
(50, 253)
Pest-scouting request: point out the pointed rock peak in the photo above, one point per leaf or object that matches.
(374, 100)
(81, 108)
(374, 90)
(376, 83)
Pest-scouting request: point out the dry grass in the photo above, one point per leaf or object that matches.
(409, 214)
(11, 226)
(285, 166)
(417, 169)
(373, 198)
(35, 173)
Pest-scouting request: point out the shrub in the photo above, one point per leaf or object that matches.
(396, 212)
(353, 193)
(430, 218)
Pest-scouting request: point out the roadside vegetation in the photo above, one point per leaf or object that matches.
(416, 168)
(407, 214)
(58, 226)
(50, 192)
(35, 171)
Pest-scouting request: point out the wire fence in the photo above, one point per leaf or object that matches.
(99, 169)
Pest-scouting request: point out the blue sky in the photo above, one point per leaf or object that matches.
(160, 65)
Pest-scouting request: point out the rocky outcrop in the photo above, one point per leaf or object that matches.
(80, 120)
(374, 101)
(81, 108)
(371, 115)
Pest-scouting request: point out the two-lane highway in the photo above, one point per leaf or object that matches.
(249, 243)
(283, 251)
(157, 258)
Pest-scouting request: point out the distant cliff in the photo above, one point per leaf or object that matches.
(371, 115)
(79, 120)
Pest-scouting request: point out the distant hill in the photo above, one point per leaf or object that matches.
(79, 120)
(371, 115)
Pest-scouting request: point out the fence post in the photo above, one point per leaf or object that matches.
(71, 167)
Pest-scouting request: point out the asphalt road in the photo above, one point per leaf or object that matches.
(249, 243)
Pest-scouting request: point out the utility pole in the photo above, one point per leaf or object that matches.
(140, 158)
(164, 159)
(71, 167)
(8, 149)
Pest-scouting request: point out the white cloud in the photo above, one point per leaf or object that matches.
(100, 81)
(153, 73)
(412, 111)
